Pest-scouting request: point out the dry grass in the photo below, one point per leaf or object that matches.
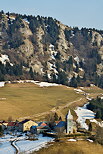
(28, 99)
(93, 90)
(79, 147)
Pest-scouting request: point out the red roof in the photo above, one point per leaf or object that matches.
(13, 124)
(57, 122)
(43, 124)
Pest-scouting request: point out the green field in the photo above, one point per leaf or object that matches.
(26, 99)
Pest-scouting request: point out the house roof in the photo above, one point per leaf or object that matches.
(13, 124)
(61, 124)
(43, 127)
(57, 122)
(42, 124)
(3, 122)
(24, 121)
(33, 127)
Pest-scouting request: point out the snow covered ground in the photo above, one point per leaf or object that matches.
(83, 113)
(46, 84)
(41, 84)
(72, 140)
(4, 59)
(6, 148)
(100, 123)
(2, 84)
(79, 91)
(29, 146)
(22, 144)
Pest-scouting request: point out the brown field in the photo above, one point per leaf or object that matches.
(79, 147)
(26, 99)
(93, 91)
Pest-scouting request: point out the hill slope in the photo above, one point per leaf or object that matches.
(27, 99)
(44, 49)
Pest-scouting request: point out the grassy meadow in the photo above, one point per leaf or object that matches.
(26, 99)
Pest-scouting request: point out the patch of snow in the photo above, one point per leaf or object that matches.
(81, 69)
(77, 59)
(88, 98)
(41, 84)
(26, 20)
(52, 67)
(30, 146)
(52, 57)
(53, 54)
(72, 140)
(46, 26)
(46, 84)
(97, 122)
(41, 70)
(2, 84)
(4, 59)
(92, 85)
(12, 17)
(90, 140)
(74, 65)
(6, 148)
(49, 76)
(83, 113)
(79, 90)
(82, 87)
(11, 64)
(5, 144)
(51, 47)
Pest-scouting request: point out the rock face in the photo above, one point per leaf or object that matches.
(45, 49)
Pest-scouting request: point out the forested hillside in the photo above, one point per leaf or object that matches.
(44, 49)
(96, 105)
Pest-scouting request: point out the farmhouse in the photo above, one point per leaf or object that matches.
(41, 128)
(26, 124)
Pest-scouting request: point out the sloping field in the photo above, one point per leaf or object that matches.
(78, 147)
(26, 99)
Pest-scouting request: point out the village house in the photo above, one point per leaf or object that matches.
(60, 127)
(26, 124)
(41, 128)
(4, 125)
(12, 126)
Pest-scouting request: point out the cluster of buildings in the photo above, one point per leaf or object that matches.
(68, 126)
